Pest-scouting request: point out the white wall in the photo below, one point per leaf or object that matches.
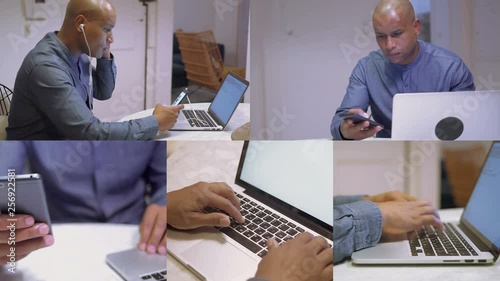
(128, 49)
(302, 55)
(374, 167)
(469, 28)
(220, 16)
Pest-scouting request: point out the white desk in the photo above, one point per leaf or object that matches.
(347, 271)
(78, 254)
(240, 117)
(195, 161)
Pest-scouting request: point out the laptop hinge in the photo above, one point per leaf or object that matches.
(215, 118)
(479, 244)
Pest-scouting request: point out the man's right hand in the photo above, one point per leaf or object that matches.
(402, 217)
(359, 131)
(166, 116)
(29, 237)
(304, 258)
(185, 206)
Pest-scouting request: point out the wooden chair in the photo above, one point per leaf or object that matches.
(463, 166)
(202, 59)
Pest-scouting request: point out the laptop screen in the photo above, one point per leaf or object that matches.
(300, 173)
(229, 95)
(483, 207)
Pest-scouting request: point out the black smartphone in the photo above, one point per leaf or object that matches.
(181, 97)
(356, 119)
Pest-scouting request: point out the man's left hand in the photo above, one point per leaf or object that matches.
(153, 230)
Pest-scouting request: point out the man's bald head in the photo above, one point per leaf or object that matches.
(87, 27)
(402, 9)
(91, 9)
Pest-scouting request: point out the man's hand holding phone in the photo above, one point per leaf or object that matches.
(28, 237)
(357, 125)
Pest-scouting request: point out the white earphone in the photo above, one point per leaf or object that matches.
(82, 29)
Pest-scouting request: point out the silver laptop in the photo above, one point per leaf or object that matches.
(136, 265)
(446, 116)
(475, 240)
(288, 190)
(220, 111)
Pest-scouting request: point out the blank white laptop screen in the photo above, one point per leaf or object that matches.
(299, 173)
(227, 98)
(483, 207)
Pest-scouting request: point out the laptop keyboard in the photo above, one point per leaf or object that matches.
(447, 243)
(260, 224)
(155, 276)
(194, 119)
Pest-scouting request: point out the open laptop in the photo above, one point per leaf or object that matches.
(136, 265)
(475, 240)
(220, 111)
(446, 116)
(288, 189)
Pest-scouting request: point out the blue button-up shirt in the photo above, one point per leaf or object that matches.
(375, 80)
(357, 225)
(51, 98)
(93, 181)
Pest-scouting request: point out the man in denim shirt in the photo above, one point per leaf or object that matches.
(53, 95)
(402, 65)
(363, 221)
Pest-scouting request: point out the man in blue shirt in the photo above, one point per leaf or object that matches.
(364, 221)
(53, 93)
(117, 182)
(402, 65)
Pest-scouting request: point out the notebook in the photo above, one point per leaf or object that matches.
(446, 116)
(288, 189)
(217, 116)
(474, 240)
(136, 265)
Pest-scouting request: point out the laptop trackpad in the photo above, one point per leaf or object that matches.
(222, 262)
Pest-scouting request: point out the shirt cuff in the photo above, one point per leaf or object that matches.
(367, 223)
(341, 199)
(151, 125)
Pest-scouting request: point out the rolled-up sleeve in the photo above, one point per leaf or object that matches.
(59, 100)
(357, 225)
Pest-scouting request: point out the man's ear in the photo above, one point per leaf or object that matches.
(416, 26)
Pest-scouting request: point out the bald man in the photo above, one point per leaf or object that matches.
(54, 91)
(403, 64)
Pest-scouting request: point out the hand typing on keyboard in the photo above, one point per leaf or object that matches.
(304, 258)
(185, 208)
(400, 217)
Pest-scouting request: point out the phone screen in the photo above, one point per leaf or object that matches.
(179, 99)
